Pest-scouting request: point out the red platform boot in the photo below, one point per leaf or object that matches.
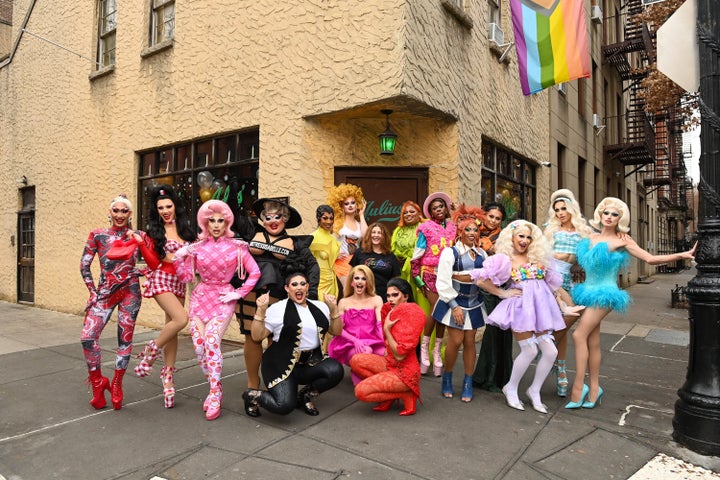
(99, 384)
(116, 393)
(409, 402)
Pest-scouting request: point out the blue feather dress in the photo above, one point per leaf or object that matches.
(602, 266)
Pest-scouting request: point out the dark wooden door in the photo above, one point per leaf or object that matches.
(386, 189)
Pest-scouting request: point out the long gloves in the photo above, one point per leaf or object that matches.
(230, 296)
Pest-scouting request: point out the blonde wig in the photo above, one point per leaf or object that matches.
(369, 280)
(272, 206)
(622, 208)
(576, 216)
(539, 251)
(335, 198)
(122, 198)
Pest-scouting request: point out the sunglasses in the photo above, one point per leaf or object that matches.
(298, 284)
(120, 210)
(614, 214)
(277, 216)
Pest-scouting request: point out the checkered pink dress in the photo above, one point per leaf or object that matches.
(216, 261)
(159, 281)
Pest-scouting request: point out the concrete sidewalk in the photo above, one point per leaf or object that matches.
(48, 429)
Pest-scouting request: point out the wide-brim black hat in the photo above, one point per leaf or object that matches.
(295, 219)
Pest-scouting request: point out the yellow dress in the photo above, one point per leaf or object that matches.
(326, 249)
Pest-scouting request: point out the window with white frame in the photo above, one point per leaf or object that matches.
(494, 11)
(162, 26)
(107, 27)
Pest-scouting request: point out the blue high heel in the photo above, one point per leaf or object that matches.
(561, 375)
(597, 401)
(446, 389)
(467, 390)
(579, 404)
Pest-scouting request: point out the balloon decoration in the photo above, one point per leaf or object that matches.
(217, 183)
(205, 194)
(204, 179)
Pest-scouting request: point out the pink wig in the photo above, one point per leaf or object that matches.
(210, 208)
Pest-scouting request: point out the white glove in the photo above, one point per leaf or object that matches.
(230, 296)
(183, 252)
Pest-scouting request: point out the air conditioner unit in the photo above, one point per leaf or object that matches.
(650, 2)
(562, 88)
(496, 35)
(597, 121)
(596, 14)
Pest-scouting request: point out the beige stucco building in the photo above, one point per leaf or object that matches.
(97, 101)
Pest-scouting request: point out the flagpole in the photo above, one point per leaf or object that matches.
(696, 424)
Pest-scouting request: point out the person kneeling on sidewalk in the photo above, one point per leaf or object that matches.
(298, 327)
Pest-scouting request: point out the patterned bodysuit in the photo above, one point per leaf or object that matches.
(118, 286)
(215, 261)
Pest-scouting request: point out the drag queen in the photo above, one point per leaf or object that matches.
(350, 226)
(119, 287)
(460, 303)
(566, 227)
(397, 375)
(215, 257)
(603, 255)
(326, 249)
(529, 307)
(360, 311)
(168, 230)
(432, 236)
(402, 244)
(298, 327)
(271, 245)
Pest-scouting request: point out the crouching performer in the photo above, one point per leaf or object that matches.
(298, 327)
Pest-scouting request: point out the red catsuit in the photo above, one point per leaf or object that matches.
(118, 286)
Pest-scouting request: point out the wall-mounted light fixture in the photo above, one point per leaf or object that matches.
(23, 181)
(388, 138)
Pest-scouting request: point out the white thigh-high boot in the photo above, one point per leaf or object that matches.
(528, 350)
(548, 355)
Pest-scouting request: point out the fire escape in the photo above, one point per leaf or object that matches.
(653, 145)
(631, 135)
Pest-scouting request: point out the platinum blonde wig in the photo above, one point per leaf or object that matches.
(617, 204)
(576, 216)
(539, 251)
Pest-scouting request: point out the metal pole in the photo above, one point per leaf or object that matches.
(697, 411)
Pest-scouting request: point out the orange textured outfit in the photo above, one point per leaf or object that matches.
(387, 379)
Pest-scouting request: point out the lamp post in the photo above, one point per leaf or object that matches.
(696, 424)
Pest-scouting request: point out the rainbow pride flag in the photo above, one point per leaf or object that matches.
(551, 41)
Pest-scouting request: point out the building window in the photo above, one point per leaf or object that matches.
(510, 180)
(582, 87)
(107, 27)
(494, 11)
(198, 169)
(163, 21)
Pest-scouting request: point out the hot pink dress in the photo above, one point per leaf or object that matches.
(362, 333)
